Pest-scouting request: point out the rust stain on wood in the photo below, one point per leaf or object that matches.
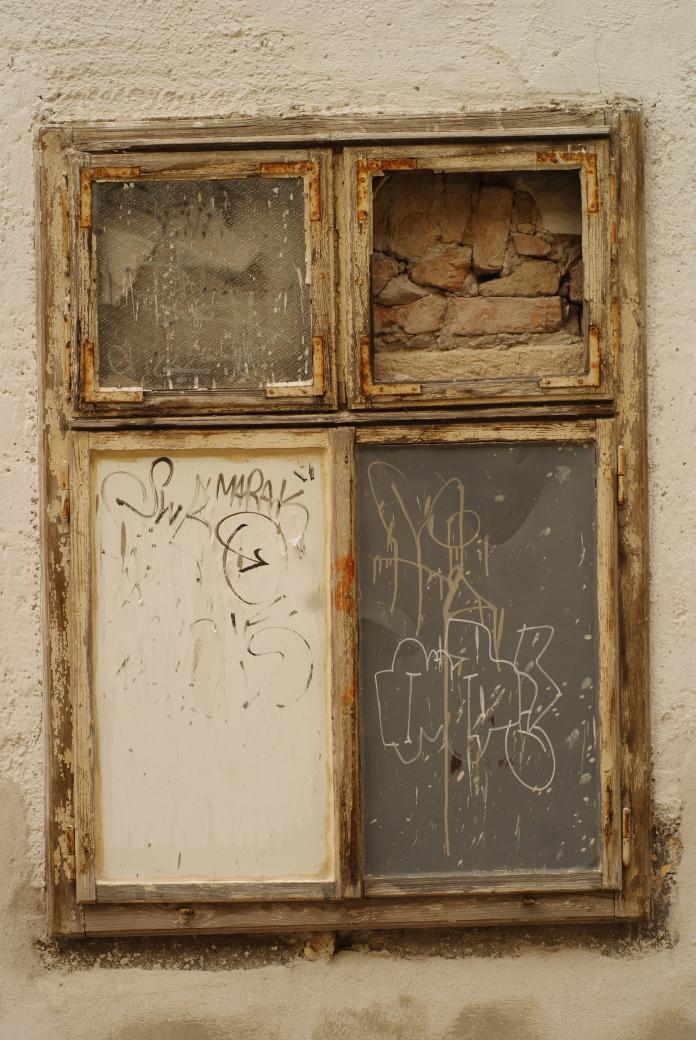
(366, 168)
(608, 822)
(372, 389)
(100, 173)
(308, 169)
(88, 383)
(348, 695)
(344, 584)
(587, 161)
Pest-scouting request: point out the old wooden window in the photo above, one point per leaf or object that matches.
(344, 518)
(204, 281)
(479, 273)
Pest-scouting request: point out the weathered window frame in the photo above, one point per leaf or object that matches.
(85, 447)
(599, 432)
(61, 151)
(314, 166)
(364, 165)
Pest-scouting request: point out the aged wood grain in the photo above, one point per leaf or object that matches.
(634, 664)
(53, 318)
(534, 122)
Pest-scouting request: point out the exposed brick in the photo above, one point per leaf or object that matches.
(577, 279)
(424, 315)
(477, 316)
(524, 212)
(444, 266)
(403, 212)
(455, 204)
(401, 290)
(530, 245)
(491, 228)
(531, 278)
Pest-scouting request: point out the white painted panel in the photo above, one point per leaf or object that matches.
(211, 664)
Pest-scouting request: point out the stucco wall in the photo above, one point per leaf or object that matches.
(134, 60)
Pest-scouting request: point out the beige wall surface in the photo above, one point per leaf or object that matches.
(133, 60)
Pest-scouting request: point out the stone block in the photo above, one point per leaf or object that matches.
(524, 212)
(404, 222)
(421, 316)
(566, 251)
(455, 207)
(577, 280)
(384, 268)
(530, 245)
(531, 278)
(491, 228)
(401, 290)
(557, 197)
(477, 316)
(444, 266)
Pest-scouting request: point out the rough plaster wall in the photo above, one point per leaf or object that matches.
(133, 60)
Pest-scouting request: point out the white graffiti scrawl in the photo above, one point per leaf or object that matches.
(461, 696)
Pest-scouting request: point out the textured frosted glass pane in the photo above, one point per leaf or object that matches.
(479, 668)
(477, 276)
(202, 284)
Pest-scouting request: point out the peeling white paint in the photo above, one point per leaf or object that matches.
(211, 667)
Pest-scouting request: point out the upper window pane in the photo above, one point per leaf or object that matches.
(477, 275)
(202, 284)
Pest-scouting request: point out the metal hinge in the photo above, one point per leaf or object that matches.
(621, 475)
(626, 837)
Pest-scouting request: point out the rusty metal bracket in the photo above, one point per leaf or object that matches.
(309, 170)
(593, 375)
(317, 388)
(366, 170)
(372, 389)
(89, 174)
(587, 162)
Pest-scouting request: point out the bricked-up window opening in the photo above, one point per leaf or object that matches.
(477, 275)
(344, 495)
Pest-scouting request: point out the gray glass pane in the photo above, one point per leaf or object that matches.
(478, 658)
(477, 276)
(202, 284)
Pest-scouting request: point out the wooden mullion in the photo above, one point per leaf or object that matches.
(82, 651)
(344, 615)
(608, 651)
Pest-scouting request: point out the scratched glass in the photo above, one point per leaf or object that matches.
(477, 276)
(202, 285)
(478, 643)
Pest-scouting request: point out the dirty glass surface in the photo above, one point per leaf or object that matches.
(202, 284)
(478, 644)
(477, 276)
